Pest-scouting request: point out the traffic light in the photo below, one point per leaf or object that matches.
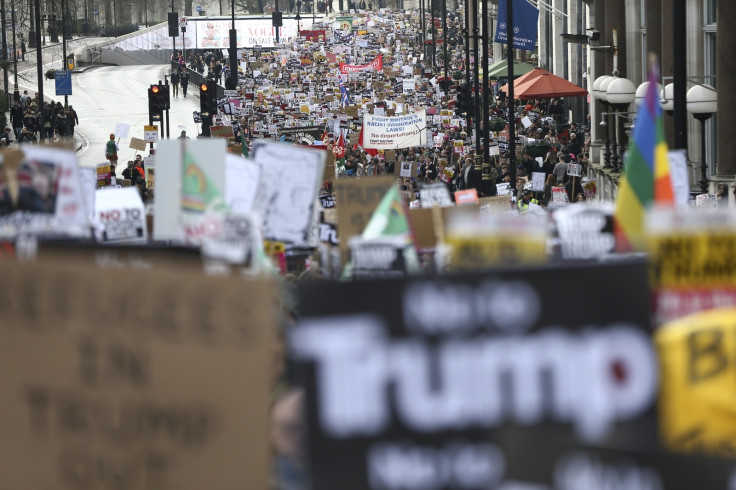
(205, 99)
(155, 105)
(173, 18)
(164, 96)
(464, 103)
(276, 19)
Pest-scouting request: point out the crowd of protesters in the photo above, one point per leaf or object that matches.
(31, 120)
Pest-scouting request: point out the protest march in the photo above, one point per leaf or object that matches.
(353, 277)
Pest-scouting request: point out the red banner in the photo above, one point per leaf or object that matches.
(313, 35)
(376, 64)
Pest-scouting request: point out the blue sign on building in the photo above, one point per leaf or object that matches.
(63, 79)
(199, 8)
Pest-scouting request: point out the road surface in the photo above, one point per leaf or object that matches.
(106, 95)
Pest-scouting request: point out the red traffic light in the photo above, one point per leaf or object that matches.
(154, 89)
(203, 87)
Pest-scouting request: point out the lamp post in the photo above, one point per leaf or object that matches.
(641, 93)
(32, 30)
(599, 95)
(667, 98)
(620, 93)
(702, 103)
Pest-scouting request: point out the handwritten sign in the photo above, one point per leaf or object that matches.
(143, 401)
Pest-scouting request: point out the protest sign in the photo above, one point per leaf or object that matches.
(88, 183)
(559, 194)
(407, 169)
(119, 216)
(115, 375)
(691, 252)
(150, 177)
(435, 194)
(590, 189)
(468, 196)
(495, 204)
(375, 65)
(538, 181)
(43, 194)
(356, 200)
(574, 170)
(697, 376)
(382, 257)
(287, 190)
(122, 130)
(190, 188)
(390, 133)
(221, 131)
(427, 374)
(137, 144)
(706, 201)
(585, 231)
(241, 183)
(104, 174)
(503, 189)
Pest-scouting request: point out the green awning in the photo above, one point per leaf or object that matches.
(500, 69)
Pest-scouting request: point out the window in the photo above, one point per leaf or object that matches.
(709, 70)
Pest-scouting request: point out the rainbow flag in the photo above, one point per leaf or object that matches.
(646, 177)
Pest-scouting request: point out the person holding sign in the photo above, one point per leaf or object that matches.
(111, 151)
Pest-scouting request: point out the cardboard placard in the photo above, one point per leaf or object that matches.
(221, 131)
(137, 144)
(356, 201)
(147, 392)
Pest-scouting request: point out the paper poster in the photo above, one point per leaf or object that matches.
(503, 189)
(538, 181)
(405, 170)
(120, 216)
(435, 194)
(41, 193)
(241, 183)
(288, 188)
(575, 170)
(559, 194)
(122, 130)
(526, 121)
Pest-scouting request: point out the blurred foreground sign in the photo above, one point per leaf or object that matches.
(120, 378)
(455, 382)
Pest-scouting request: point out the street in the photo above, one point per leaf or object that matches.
(106, 95)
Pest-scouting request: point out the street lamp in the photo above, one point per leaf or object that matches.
(601, 95)
(702, 103)
(620, 93)
(641, 93)
(667, 98)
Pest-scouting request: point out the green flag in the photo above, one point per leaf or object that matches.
(198, 193)
(389, 218)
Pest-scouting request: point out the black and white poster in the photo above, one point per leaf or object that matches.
(463, 382)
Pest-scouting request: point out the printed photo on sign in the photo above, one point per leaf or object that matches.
(120, 216)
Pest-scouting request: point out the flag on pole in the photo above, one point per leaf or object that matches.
(344, 94)
(389, 218)
(325, 137)
(646, 176)
(370, 151)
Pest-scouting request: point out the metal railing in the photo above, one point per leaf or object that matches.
(197, 79)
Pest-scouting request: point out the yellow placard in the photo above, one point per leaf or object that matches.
(697, 402)
(472, 252)
(693, 260)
